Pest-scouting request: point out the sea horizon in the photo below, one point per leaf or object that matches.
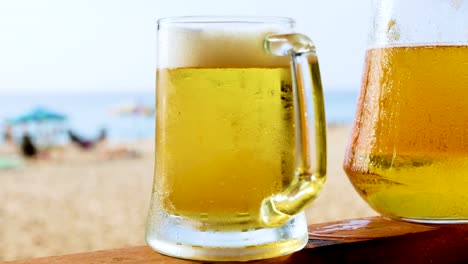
(89, 112)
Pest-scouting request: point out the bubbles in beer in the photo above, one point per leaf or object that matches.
(409, 150)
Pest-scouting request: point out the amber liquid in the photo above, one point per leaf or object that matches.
(408, 156)
(224, 141)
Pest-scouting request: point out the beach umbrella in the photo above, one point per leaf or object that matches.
(37, 115)
(132, 118)
(133, 109)
(44, 125)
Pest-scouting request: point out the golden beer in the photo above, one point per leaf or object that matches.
(408, 156)
(225, 143)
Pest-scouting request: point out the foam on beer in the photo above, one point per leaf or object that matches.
(231, 47)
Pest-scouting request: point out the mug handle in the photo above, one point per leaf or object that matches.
(308, 103)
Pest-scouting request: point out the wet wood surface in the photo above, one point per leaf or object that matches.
(364, 240)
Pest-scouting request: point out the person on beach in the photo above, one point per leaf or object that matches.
(84, 143)
(28, 149)
(8, 135)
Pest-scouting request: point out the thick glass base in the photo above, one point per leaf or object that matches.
(174, 236)
(432, 220)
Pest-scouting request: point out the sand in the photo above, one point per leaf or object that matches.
(75, 201)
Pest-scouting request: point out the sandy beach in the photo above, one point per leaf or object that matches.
(76, 201)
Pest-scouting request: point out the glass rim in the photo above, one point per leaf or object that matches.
(220, 19)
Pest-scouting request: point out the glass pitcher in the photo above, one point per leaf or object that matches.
(408, 153)
(240, 138)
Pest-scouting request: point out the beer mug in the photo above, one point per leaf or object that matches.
(408, 153)
(240, 138)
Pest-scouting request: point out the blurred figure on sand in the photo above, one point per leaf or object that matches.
(86, 144)
(8, 135)
(28, 149)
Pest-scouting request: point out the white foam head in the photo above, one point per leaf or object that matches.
(218, 45)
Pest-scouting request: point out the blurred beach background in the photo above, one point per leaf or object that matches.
(92, 63)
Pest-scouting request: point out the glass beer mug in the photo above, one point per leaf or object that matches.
(240, 138)
(408, 153)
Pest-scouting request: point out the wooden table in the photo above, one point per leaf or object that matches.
(365, 240)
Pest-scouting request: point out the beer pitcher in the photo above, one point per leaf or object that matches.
(240, 138)
(408, 153)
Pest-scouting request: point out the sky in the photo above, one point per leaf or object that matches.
(66, 46)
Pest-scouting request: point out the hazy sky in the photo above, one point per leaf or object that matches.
(110, 45)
